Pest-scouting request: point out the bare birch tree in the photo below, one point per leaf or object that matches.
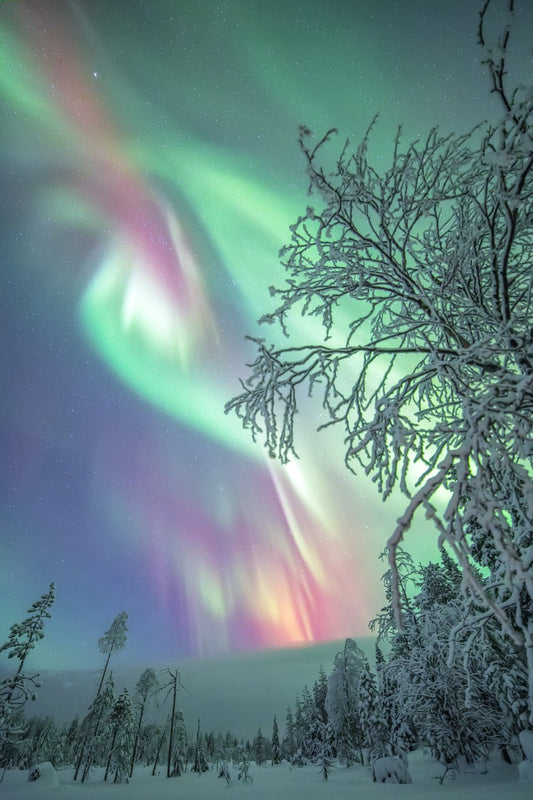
(433, 381)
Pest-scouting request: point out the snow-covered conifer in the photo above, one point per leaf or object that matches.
(145, 688)
(122, 736)
(342, 702)
(276, 748)
(96, 730)
(259, 748)
(288, 747)
(18, 688)
(114, 639)
(367, 706)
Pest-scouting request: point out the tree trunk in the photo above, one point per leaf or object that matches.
(162, 739)
(84, 743)
(171, 737)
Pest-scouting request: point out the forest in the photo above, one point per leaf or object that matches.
(461, 698)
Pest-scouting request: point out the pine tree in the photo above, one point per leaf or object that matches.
(367, 709)
(276, 749)
(342, 700)
(327, 749)
(17, 689)
(23, 636)
(113, 639)
(96, 728)
(320, 693)
(200, 762)
(146, 686)
(259, 748)
(122, 736)
(289, 745)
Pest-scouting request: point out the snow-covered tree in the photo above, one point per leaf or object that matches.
(342, 702)
(259, 748)
(367, 708)
(327, 750)
(276, 748)
(96, 731)
(20, 687)
(320, 693)
(421, 275)
(243, 761)
(200, 761)
(122, 737)
(145, 688)
(308, 725)
(71, 734)
(289, 745)
(113, 639)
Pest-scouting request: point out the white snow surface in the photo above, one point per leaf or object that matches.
(283, 782)
(526, 742)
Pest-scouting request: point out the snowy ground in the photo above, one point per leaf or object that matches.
(283, 783)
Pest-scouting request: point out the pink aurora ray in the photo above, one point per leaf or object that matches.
(250, 560)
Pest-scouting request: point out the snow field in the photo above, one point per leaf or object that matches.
(282, 782)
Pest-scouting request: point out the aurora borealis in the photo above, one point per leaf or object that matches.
(150, 174)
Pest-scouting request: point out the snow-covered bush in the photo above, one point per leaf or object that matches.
(45, 774)
(390, 769)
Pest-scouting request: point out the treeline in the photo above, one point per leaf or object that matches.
(140, 726)
(124, 742)
(461, 693)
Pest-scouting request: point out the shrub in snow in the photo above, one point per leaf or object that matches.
(45, 774)
(390, 769)
(224, 772)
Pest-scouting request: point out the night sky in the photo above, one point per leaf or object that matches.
(149, 173)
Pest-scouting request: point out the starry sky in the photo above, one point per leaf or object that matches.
(150, 172)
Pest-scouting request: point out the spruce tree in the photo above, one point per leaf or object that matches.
(114, 639)
(122, 736)
(146, 686)
(17, 689)
(259, 748)
(276, 749)
(96, 731)
(342, 702)
(367, 709)
(289, 742)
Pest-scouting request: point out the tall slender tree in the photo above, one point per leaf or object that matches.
(95, 741)
(145, 688)
(276, 749)
(113, 639)
(18, 688)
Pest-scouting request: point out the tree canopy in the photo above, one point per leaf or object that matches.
(433, 379)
